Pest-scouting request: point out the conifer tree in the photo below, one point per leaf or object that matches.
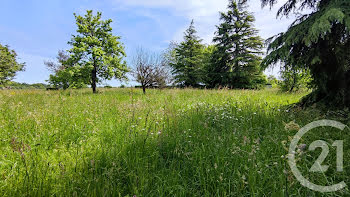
(187, 66)
(319, 41)
(236, 60)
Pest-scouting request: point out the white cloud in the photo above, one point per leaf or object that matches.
(189, 8)
(206, 15)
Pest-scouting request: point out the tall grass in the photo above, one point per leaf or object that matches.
(166, 143)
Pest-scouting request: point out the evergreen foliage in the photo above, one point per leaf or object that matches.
(188, 62)
(236, 59)
(318, 41)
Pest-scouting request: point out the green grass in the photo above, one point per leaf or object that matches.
(166, 143)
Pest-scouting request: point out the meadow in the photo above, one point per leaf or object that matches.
(176, 142)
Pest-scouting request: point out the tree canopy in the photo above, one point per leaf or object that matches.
(65, 76)
(236, 58)
(294, 79)
(96, 52)
(9, 65)
(318, 41)
(149, 69)
(187, 64)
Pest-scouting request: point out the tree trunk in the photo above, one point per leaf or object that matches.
(294, 81)
(346, 89)
(93, 79)
(144, 89)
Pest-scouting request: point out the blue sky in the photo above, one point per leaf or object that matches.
(37, 29)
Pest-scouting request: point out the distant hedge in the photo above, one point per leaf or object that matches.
(16, 85)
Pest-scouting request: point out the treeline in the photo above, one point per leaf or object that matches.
(16, 85)
(315, 50)
(233, 61)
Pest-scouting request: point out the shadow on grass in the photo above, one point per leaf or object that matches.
(207, 150)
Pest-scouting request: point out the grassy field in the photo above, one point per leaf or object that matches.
(166, 143)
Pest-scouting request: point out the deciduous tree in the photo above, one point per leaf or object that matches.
(97, 50)
(64, 75)
(9, 65)
(294, 79)
(149, 69)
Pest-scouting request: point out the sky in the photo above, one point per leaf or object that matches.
(38, 29)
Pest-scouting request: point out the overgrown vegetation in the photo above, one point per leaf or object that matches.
(181, 142)
(166, 143)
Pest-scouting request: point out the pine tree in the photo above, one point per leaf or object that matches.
(319, 41)
(187, 67)
(236, 60)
